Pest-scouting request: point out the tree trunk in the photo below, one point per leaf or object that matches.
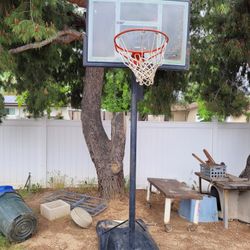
(106, 154)
(246, 172)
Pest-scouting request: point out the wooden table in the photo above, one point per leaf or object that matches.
(173, 189)
(228, 183)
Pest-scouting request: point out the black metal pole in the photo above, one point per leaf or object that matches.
(132, 178)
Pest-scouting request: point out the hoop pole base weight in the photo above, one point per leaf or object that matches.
(132, 178)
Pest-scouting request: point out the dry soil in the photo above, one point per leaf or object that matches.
(63, 234)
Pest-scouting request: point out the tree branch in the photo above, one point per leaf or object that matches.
(65, 36)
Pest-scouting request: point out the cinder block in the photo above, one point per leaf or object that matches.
(54, 209)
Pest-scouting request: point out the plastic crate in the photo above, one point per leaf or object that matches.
(213, 172)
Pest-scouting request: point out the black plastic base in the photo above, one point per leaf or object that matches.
(115, 236)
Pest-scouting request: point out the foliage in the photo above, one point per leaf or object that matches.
(69, 72)
(22, 22)
(21, 99)
(217, 78)
(247, 114)
(88, 186)
(2, 113)
(52, 88)
(35, 188)
(27, 192)
(218, 74)
(220, 55)
(116, 91)
(127, 182)
(5, 245)
(166, 90)
(157, 98)
(46, 77)
(24, 193)
(205, 114)
(52, 76)
(59, 181)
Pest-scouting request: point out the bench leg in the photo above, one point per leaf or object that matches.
(167, 212)
(193, 227)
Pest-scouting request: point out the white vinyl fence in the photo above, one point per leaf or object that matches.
(55, 147)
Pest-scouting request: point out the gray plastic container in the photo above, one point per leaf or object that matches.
(17, 221)
(214, 172)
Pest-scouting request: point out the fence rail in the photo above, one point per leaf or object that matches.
(49, 148)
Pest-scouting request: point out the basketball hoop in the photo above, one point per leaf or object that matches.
(142, 50)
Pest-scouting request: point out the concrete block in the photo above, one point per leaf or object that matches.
(54, 209)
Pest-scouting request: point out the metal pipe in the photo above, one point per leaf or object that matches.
(133, 138)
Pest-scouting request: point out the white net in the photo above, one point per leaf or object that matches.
(143, 52)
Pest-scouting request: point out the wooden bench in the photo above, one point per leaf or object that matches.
(173, 189)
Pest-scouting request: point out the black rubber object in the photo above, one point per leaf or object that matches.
(115, 236)
(17, 221)
(214, 192)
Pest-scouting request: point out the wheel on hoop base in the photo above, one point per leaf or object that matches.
(192, 227)
(168, 228)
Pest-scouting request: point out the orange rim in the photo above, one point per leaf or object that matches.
(117, 47)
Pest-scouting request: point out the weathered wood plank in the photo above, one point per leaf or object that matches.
(174, 189)
(229, 183)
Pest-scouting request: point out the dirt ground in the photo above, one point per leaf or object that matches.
(63, 234)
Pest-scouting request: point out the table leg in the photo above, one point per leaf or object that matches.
(200, 185)
(225, 207)
(148, 193)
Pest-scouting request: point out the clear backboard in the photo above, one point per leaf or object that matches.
(106, 18)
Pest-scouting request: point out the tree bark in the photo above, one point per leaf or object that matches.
(106, 154)
(246, 172)
(65, 36)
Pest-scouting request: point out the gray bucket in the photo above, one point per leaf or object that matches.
(17, 221)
